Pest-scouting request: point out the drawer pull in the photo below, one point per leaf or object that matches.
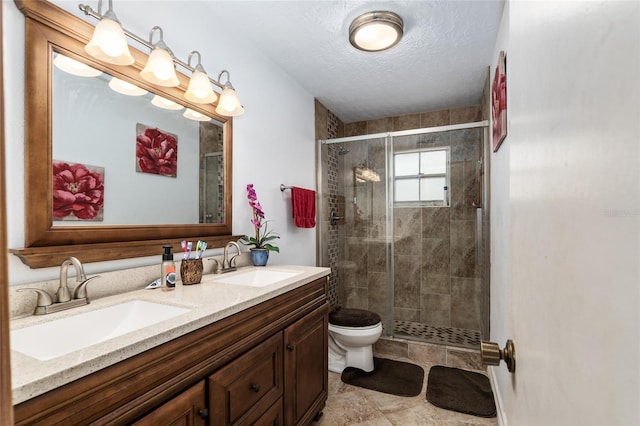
(290, 347)
(255, 388)
(204, 413)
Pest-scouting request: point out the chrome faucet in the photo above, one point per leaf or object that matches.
(63, 295)
(45, 304)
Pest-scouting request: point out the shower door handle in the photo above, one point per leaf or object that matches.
(333, 217)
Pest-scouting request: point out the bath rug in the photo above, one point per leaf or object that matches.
(460, 390)
(388, 376)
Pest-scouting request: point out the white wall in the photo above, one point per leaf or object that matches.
(500, 292)
(565, 267)
(273, 140)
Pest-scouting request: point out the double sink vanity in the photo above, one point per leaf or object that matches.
(244, 347)
(247, 347)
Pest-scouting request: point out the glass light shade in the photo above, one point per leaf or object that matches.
(160, 69)
(126, 88)
(376, 31)
(195, 115)
(200, 90)
(74, 67)
(229, 104)
(165, 103)
(109, 43)
(376, 36)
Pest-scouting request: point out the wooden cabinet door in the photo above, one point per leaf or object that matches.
(305, 367)
(185, 409)
(241, 392)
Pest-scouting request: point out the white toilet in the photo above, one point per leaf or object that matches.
(352, 333)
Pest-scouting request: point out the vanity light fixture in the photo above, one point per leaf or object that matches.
(199, 90)
(74, 67)
(160, 73)
(165, 103)
(376, 31)
(229, 104)
(160, 69)
(126, 88)
(195, 115)
(108, 42)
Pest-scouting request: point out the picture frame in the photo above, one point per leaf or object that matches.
(499, 102)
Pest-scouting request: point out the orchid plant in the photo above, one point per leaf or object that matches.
(262, 235)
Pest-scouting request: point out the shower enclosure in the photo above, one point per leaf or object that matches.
(404, 232)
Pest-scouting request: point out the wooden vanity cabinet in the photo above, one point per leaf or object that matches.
(305, 368)
(244, 392)
(207, 376)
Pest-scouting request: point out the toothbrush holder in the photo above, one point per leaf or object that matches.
(191, 271)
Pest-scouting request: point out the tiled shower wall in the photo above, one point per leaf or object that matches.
(438, 280)
(329, 126)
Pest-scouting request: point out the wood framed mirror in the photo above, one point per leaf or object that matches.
(141, 209)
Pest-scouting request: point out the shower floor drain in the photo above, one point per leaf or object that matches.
(441, 335)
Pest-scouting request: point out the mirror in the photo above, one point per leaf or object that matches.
(153, 157)
(143, 207)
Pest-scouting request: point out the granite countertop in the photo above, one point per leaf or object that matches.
(208, 302)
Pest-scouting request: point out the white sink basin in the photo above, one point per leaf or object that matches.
(258, 277)
(65, 335)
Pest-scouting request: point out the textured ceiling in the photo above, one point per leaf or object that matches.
(441, 62)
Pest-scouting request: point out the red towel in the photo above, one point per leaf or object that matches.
(303, 203)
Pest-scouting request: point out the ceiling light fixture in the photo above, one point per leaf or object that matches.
(228, 104)
(376, 31)
(199, 90)
(108, 42)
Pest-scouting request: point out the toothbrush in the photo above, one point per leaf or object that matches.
(204, 247)
(189, 246)
(198, 247)
(183, 243)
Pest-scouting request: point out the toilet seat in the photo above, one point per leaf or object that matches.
(353, 318)
(340, 327)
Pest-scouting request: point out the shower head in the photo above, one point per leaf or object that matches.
(343, 150)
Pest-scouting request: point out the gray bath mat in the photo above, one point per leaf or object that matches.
(388, 376)
(460, 390)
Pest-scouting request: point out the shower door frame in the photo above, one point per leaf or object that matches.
(388, 137)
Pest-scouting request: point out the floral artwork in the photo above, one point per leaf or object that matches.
(499, 103)
(78, 191)
(156, 151)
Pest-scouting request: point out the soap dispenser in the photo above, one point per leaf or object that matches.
(168, 272)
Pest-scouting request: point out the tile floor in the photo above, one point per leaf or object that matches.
(350, 405)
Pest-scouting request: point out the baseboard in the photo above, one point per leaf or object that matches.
(500, 414)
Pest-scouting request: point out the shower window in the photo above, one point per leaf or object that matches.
(422, 177)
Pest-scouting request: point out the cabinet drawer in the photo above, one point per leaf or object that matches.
(184, 409)
(241, 391)
(272, 417)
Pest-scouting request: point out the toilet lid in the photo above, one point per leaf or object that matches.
(346, 317)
